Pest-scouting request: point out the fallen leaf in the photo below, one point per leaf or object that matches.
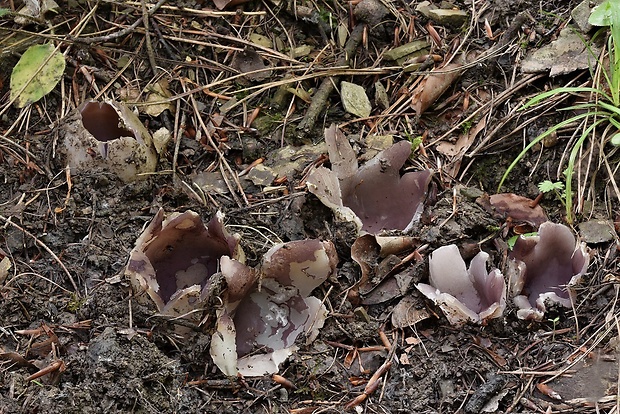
(250, 63)
(158, 92)
(433, 86)
(461, 146)
(407, 313)
(38, 72)
(517, 207)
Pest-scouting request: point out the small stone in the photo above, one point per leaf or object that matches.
(370, 12)
(450, 17)
(211, 182)
(261, 40)
(596, 231)
(381, 96)
(343, 33)
(406, 50)
(471, 193)
(564, 55)
(261, 175)
(122, 61)
(424, 7)
(161, 138)
(291, 160)
(301, 51)
(581, 14)
(227, 105)
(354, 99)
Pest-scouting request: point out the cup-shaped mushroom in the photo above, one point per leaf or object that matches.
(545, 268)
(174, 258)
(464, 295)
(375, 195)
(258, 332)
(108, 136)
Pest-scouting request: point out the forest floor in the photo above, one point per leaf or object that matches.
(234, 88)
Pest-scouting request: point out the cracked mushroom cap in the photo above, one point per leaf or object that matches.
(174, 258)
(258, 331)
(108, 136)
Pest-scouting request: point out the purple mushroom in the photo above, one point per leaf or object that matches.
(544, 268)
(108, 136)
(375, 195)
(174, 258)
(265, 313)
(463, 294)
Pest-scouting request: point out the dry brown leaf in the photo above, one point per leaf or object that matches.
(433, 86)
(461, 146)
(517, 207)
(408, 312)
(250, 63)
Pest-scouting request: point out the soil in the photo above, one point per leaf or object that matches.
(66, 305)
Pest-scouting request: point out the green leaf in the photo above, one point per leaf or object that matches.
(541, 137)
(548, 186)
(601, 14)
(38, 71)
(513, 240)
(415, 142)
(4, 12)
(575, 89)
(615, 140)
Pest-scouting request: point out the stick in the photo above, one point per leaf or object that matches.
(319, 101)
(47, 249)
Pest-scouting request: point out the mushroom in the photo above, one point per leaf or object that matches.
(374, 196)
(264, 314)
(108, 136)
(174, 258)
(464, 294)
(545, 268)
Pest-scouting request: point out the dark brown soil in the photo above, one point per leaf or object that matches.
(119, 356)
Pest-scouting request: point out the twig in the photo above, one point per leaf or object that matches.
(123, 32)
(375, 381)
(222, 159)
(47, 249)
(206, 13)
(163, 41)
(147, 36)
(319, 101)
(179, 131)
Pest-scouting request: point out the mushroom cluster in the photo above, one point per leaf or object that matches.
(542, 269)
(264, 309)
(267, 308)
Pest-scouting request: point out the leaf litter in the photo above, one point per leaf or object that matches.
(72, 323)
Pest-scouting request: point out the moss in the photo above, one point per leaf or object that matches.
(75, 303)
